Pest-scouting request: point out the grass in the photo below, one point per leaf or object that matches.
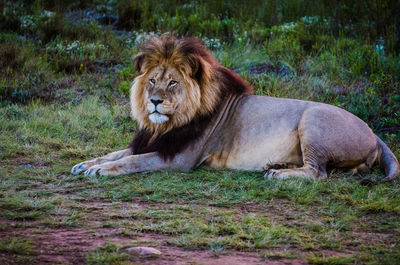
(201, 210)
(64, 99)
(22, 207)
(16, 245)
(278, 255)
(333, 260)
(108, 254)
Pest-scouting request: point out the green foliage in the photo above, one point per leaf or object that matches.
(126, 76)
(16, 245)
(305, 56)
(273, 255)
(333, 260)
(227, 20)
(22, 207)
(109, 254)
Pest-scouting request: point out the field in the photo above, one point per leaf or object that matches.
(65, 75)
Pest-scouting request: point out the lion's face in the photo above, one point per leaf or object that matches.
(164, 93)
(175, 84)
(165, 97)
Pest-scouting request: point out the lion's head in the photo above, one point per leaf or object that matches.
(178, 81)
(175, 83)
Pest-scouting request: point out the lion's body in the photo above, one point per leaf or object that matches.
(192, 111)
(260, 138)
(264, 131)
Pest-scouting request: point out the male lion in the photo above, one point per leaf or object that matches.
(192, 111)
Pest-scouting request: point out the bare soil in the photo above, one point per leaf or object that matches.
(70, 245)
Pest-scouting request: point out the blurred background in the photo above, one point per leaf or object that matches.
(344, 53)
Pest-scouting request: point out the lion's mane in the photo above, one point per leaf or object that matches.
(208, 85)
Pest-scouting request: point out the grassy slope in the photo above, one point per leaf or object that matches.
(205, 209)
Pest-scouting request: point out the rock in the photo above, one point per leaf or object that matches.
(261, 68)
(284, 70)
(62, 177)
(338, 90)
(276, 69)
(144, 251)
(29, 166)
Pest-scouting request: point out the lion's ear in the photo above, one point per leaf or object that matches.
(201, 71)
(138, 62)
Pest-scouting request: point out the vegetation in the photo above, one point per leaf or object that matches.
(64, 82)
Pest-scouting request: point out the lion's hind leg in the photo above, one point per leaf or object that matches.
(314, 150)
(302, 172)
(281, 169)
(100, 160)
(314, 164)
(279, 166)
(361, 168)
(314, 161)
(331, 135)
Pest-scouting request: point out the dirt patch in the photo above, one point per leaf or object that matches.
(23, 162)
(7, 258)
(16, 161)
(278, 210)
(174, 255)
(66, 245)
(71, 245)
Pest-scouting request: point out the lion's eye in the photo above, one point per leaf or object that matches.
(172, 83)
(152, 81)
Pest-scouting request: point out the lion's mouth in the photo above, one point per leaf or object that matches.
(158, 118)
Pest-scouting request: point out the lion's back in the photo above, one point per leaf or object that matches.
(260, 130)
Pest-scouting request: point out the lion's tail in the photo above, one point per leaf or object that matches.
(388, 160)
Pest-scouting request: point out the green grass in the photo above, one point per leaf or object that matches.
(333, 260)
(202, 209)
(278, 255)
(16, 245)
(22, 207)
(109, 254)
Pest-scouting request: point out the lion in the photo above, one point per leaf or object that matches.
(192, 111)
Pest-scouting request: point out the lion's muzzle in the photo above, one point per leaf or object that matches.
(158, 118)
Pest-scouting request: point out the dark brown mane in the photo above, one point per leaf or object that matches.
(171, 143)
(228, 83)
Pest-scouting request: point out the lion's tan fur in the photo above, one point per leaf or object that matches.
(211, 118)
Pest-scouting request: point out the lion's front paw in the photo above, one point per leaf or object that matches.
(80, 168)
(275, 174)
(105, 169)
(94, 170)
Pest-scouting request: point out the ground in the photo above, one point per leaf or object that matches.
(202, 217)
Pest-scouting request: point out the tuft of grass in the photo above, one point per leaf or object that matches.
(22, 207)
(16, 245)
(332, 260)
(109, 254)
(276, 255)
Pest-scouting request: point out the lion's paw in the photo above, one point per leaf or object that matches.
(80, 168)
(106, 169)
(94, 170)
(275, 174)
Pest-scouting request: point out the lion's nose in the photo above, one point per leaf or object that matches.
(156, 101)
